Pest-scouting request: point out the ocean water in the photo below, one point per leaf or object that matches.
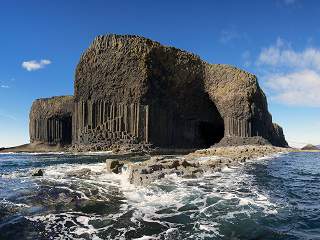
(270, 198)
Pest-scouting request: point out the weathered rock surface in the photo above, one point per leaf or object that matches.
(197, 163)
(136, 94)
(242, 104)
(239, 141)
(37, 173)
(114, 166)
(51, 120)
(131, 90)
(79, 173)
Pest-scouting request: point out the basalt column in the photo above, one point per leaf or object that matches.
(102, 122)
(130, 89)
(238, 127)
(51, 120)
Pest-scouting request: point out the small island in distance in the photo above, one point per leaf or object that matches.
(311, 147)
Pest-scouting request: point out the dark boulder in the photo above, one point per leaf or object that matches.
(38, 173)
(114, 166)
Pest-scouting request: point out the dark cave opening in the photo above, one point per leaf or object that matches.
(211, 132)
(59, 130)
(67, 130)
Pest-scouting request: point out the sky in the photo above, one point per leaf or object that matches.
(277, 40)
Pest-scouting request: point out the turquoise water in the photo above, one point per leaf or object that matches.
(275, 198)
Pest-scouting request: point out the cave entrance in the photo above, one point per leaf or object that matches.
(66, 137)
(59, 130)
(211, 127)
(211, 132)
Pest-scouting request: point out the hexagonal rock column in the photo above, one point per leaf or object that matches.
(129, 88)
(51, 120)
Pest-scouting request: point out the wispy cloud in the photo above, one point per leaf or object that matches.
(231, 34)
(298, 88)
(34, 65)
(4, 84)
(246, 55)
(7, 116)
(281, 54)
(289, 2)
(293, 77)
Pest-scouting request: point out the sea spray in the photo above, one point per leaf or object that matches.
(77, 198)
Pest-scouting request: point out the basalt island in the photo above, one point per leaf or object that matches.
(132, 94)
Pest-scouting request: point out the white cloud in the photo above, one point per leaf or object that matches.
(34, 65)
(281, 54)
(300, 88)
(230, 34)
(7, 116)
(4, 86)
(293, 77)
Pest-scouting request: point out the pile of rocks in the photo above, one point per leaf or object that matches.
(192, 165)
(117, 147)
(238, 153)
(240, 141)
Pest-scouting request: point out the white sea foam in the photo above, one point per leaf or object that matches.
(145, 238)
(215, 196)
(10, 203)
(60, 224)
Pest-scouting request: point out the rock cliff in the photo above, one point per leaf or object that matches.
(51, 120)
(242, 104)
(130, 89)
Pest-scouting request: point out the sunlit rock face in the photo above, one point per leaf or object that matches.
(129, 89)
(132, 90)
(51, 120)
(242, 104)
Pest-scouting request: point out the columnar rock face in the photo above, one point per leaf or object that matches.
(51, 120)
(130, 89)
(241, 103)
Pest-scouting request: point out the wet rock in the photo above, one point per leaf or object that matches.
(79, 173)
(186, 164)
(114, 166)
(38, 173)
(195, 164)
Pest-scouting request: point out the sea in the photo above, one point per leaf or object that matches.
(276, 197)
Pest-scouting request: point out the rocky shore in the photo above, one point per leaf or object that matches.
(192, 165)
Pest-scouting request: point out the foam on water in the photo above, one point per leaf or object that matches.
(147, 203)
(101, 205)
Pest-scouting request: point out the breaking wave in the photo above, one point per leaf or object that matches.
(77, 199)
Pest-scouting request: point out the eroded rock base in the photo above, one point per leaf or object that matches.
(191, 165)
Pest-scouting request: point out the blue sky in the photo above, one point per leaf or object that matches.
(278, 40)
